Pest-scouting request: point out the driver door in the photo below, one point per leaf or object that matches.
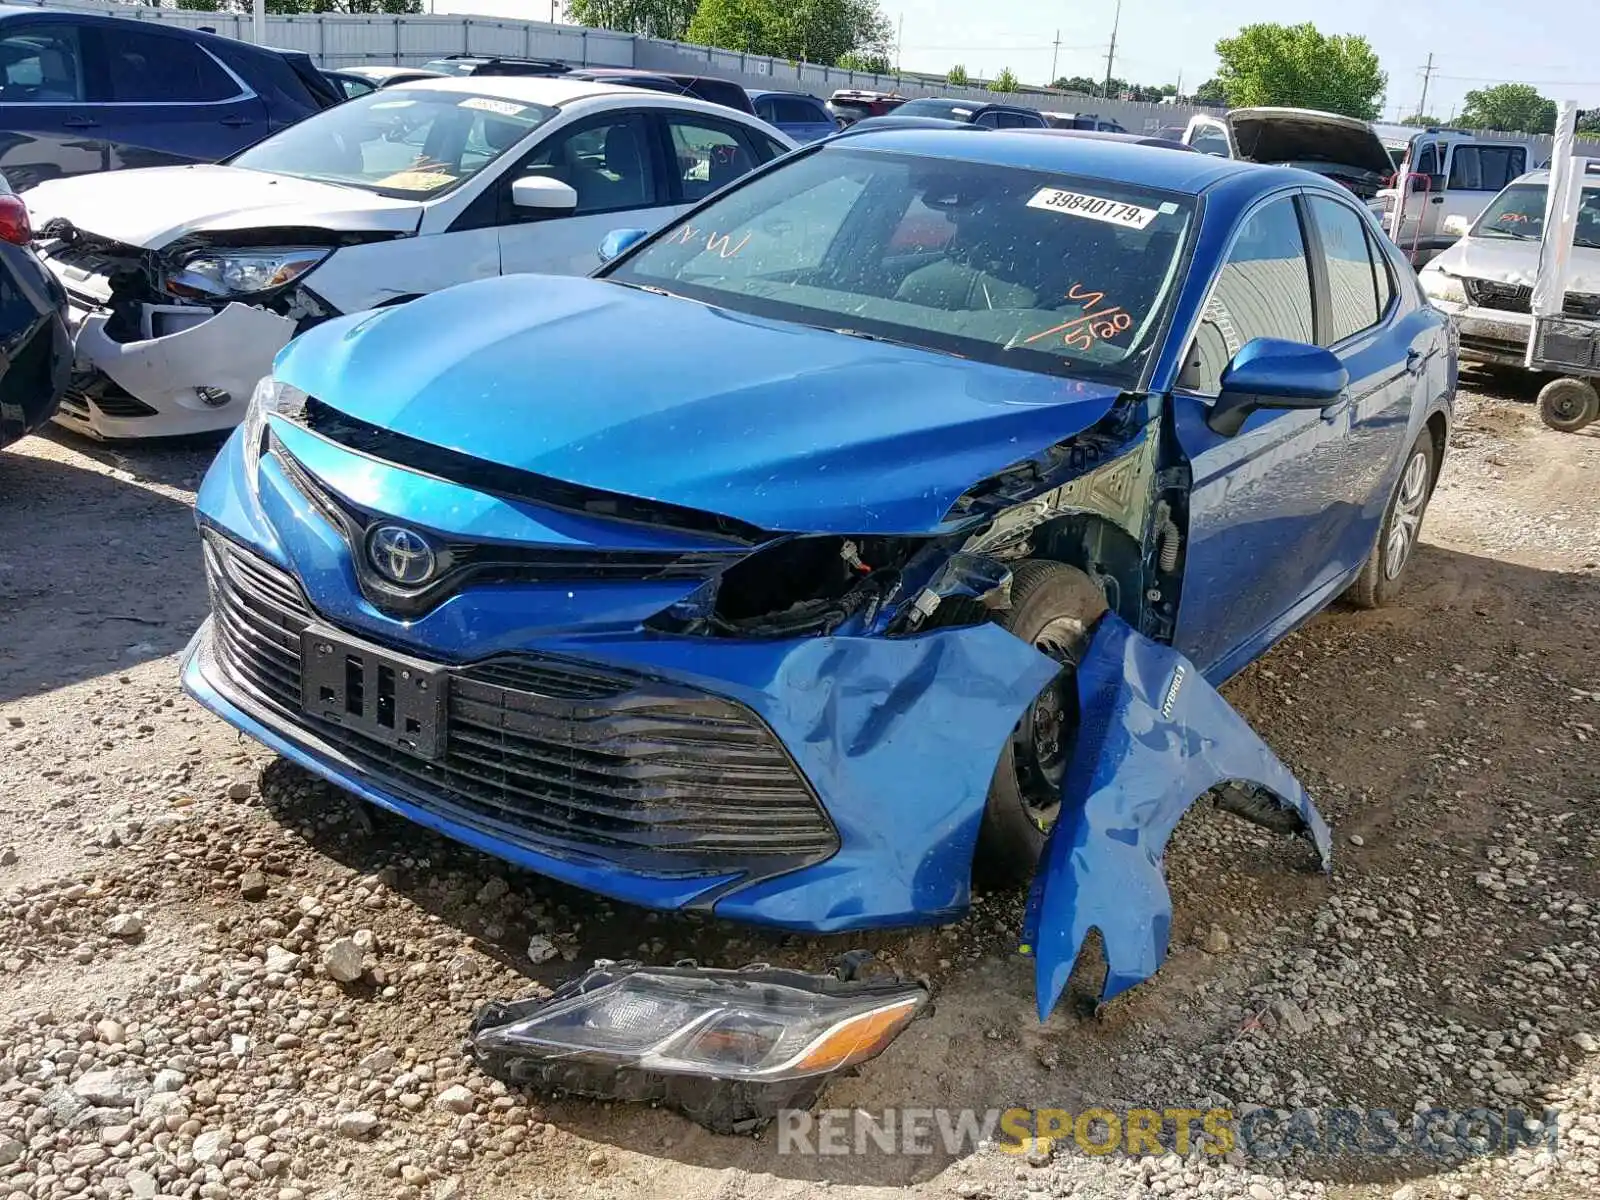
(1267, 503)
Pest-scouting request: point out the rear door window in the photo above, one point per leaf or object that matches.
(151, 68)
(707, 154)
(1347, 258)
(793, 110)
(41, 64)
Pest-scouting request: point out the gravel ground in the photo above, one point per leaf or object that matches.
(177, 908)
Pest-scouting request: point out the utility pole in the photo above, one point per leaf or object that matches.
(1427, 73)
(899, 40)
(1178, 95)
(1054, 55)
(1105, 92)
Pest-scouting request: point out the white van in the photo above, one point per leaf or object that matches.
(1450, 173)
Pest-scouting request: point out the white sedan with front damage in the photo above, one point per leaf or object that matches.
(185, 282)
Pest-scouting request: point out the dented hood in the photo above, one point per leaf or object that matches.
(782, 426)
(1513, 261)
(154, 206)
(1304, 136)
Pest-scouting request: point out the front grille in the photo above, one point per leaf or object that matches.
(550, 754)
(1511, 297)
(1508, 297)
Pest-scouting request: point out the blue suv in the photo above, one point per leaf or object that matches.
(81, 93)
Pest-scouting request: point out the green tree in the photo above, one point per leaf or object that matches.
(958, 77)
(1420, 120)
(818, 31)
(652, 18)
(1515, 107)
(1589, 121)
(867, 64)
(1211, 92)
(1297, 66)
(1077, 83)
(1004, 82)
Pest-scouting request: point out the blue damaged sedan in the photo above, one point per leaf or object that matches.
(888, 517)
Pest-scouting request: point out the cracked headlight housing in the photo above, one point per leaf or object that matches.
(225, 274)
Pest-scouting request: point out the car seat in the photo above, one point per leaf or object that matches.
(977, 270)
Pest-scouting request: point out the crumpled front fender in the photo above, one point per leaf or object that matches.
(1153, 738)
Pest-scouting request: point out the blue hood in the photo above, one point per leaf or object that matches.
(778, 425)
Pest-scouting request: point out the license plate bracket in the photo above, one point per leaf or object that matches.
(388, 697)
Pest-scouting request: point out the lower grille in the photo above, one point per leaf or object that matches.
(1507, 297)
(550, 754)
(108, 398)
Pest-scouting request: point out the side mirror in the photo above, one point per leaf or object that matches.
(543, 194)
(619, 242)
(1456, 226)
(1273, 373)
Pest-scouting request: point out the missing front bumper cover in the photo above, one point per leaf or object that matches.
(728, 1049)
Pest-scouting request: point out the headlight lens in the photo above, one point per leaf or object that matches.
(758, 1025)
(272, 395)
(1440, 286)
(217, 273)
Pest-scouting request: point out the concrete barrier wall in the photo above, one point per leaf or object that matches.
(341, 40)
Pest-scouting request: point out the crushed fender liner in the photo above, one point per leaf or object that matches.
(1154, 737)
(728, 1049)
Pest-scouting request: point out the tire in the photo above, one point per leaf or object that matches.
(1381, 575)
(1567, 405)
(1053, 607)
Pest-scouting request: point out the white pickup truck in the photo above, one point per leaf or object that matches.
(1448, 173)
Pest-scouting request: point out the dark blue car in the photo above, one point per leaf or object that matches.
(893, 510)
(803, 117)
(35, 351)
(80, 92)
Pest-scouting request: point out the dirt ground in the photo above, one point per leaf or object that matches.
(168, 890)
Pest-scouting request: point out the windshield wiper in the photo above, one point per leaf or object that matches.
(870, 337)
(645, 287)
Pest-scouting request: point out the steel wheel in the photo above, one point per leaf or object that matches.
(1406, 521)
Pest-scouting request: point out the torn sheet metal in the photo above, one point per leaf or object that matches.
(1154, 738)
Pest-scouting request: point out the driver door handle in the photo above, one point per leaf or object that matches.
(1414, 360)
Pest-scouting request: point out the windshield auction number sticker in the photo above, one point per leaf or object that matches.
(1096, 208)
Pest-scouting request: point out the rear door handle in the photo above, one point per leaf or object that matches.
(1437, 200)
(235, 122)
(81, 123)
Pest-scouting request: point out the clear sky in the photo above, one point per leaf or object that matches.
(1475, 43)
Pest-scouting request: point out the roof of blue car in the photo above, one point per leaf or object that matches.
(1150, 166)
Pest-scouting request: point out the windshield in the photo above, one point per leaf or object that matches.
(1021, 268)
(398, 142)
(1518, 214)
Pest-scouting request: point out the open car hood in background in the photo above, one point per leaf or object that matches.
(1300, 135)
(781, 426)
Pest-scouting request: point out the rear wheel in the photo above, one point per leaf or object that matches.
(1567, 405)
(1379, 581)
(1053, 608)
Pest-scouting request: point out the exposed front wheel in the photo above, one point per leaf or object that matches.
(1567, 405)
(1053, 608)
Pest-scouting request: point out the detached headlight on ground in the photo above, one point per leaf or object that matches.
(1438, 285)
(727, 1048)
(216, 274)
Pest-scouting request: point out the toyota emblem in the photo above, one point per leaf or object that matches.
(401, 555)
